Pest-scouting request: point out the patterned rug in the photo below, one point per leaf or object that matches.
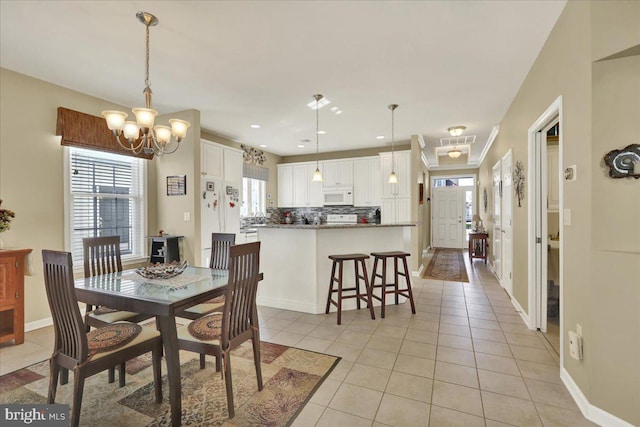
(290, 376)
(447, 264)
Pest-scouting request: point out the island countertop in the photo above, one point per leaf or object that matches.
(331, 226)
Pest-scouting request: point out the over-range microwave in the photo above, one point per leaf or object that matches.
(337, 197)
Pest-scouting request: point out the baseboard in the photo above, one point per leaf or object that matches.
(286, 304)
(522, 313)
(42, 323)
(419, 272)
(590, 412)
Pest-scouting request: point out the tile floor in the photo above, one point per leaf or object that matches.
(464, 359)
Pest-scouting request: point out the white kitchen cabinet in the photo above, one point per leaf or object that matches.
(337, 173)
(396, 210)
(553, 182)
(212, 156)
(295, 187)
(401, 165)
(233, 165)
(306, 193)
(367, 182)
(285, 186)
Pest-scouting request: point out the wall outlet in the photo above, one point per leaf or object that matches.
(575, 345)
(187, 216)
(579, 329)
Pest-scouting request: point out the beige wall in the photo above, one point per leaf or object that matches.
(271, 163)
(599, 267)
(31, 171)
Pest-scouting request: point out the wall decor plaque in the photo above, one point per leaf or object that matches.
(624, 163)
(176, 185)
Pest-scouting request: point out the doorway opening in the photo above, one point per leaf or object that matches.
(545, 221)
(453, 207)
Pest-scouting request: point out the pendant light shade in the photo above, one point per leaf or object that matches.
(317, 176)
(455, 153)
(393, 178)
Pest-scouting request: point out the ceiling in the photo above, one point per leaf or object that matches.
(242, 63)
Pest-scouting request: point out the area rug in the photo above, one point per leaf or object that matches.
(447, 264)
(290, 376)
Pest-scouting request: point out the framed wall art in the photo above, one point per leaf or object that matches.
(177, 185)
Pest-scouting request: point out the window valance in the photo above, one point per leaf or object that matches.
(255, 172)
(90, 132)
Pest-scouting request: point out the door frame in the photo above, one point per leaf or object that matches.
(536, 169)
(507, 250)
(496, 271)
(474, 200)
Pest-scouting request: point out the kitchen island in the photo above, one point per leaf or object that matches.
(297, 270)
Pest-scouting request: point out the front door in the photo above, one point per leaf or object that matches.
(497, 220)
(447, 217)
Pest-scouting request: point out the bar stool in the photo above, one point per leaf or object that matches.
(358, 259)
(407, 293)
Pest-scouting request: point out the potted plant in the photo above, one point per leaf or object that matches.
(5, 220)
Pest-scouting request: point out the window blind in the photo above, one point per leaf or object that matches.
(255, 172)
(106, 198)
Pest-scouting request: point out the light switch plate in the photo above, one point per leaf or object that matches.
(575, 345)
(567, 216)
(187, 216)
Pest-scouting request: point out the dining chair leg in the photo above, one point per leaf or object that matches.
(121, 374)
(202, 361)
(64, 376)
(228, 383)
(256, 358)
(54, 371)
(78, 388)
(218, 364)
(156, 356)
(112, 374)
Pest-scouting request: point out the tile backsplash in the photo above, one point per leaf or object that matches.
(298, 215)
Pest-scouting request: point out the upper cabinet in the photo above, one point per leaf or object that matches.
(296, 188)
(367, 181)
(212, 160)
(400, 163)
(337, 173)
(553, 181)
(220, 162)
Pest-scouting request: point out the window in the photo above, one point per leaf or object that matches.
(453, 182)
(253, 193)
(106, 197)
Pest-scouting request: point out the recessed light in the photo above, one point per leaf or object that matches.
(334, 108)
(255, 126)
(263, 146)
(316, 106)
(380, 137)
(339, 112)
(300, 146)
(322, 132)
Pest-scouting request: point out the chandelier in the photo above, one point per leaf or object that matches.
(142, 135)
(454, 153)
(455, 131)
(317, 176)
(393, 178)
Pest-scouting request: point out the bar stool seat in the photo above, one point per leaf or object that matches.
(407, 292)
(359, 263)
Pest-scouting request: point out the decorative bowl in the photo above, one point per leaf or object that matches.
(162, 271)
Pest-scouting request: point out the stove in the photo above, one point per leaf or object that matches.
(342, 219)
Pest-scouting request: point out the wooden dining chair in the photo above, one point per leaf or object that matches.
(87, 353)
(220, 244)
(101, 255)
(218, 333)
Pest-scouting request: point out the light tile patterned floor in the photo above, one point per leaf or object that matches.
(464, 359)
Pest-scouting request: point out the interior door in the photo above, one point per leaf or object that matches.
(507, 222)
(447, 217)
(497, 220)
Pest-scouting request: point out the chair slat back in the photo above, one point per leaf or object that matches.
(101, 255)
(220, 244)
(240, 301)
(70, 338)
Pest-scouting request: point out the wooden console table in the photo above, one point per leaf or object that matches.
(12, 294)
(478, 246)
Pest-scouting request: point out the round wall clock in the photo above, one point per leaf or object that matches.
(484, 199)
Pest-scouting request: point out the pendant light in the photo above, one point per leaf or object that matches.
(317, 176)
(393, 178)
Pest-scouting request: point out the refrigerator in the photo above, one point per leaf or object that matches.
(219, 212)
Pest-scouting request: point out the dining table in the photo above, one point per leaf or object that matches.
(162, 298)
